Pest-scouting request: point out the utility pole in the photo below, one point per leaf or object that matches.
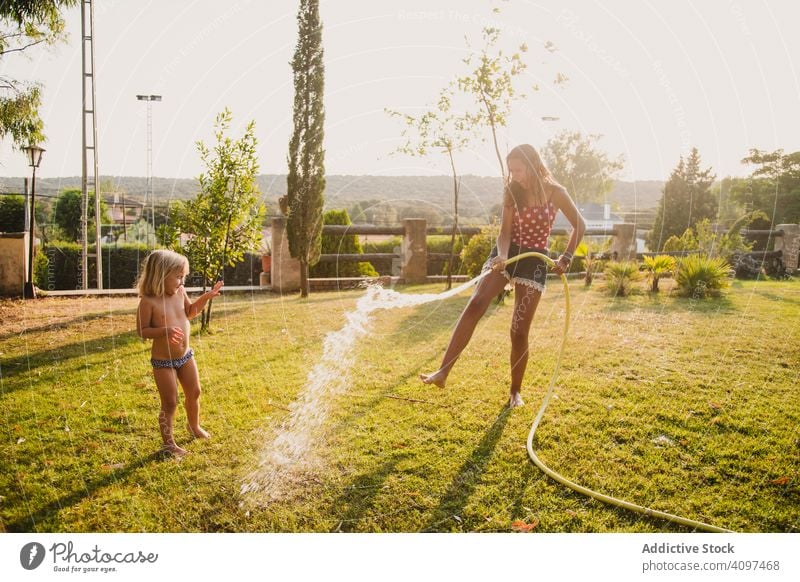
(89, 133)
(150, 194)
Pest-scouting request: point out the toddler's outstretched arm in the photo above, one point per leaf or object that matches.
(194, 309)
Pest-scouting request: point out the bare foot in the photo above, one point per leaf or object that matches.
(174, 450)
(515, 400)
(437, 378)
(198, 432)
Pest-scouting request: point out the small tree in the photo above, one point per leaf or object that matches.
(440, 129)
(224, 221)
(67, 214)
(491, 84)
(576, 163)
(305, 182)
(773, 187)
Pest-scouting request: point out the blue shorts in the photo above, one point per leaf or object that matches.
(530, 271)
(175, 364)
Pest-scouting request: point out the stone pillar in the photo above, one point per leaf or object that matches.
(13, 263)
(789, 245)
(285, 271)
(414, 252)
(624, 242)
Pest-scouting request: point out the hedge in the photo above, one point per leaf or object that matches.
(121, 267)
(348, 244)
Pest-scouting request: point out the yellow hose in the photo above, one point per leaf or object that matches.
(552, 474)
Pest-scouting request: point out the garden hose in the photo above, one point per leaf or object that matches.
(552, 474)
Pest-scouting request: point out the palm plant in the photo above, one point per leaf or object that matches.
(657, 267)
(699, 276)
(621, 277)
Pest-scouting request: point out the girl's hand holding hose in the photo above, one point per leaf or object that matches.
(498, 263)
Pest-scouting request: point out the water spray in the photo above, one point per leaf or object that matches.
(559, 478)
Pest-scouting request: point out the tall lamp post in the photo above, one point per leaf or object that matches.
(34, 154)
(149, 99)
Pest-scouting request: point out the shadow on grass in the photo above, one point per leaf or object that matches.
(468, 477)
(356, 501)
(62, 324)
(30, 362)
(353, 418)
(44, 513)
(664, 304)
(428, 321)
(779, 298)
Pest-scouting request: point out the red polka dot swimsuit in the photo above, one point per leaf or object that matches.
(531, 225)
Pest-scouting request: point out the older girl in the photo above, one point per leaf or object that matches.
(531, 200)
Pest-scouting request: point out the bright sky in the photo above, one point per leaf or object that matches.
(654, 78)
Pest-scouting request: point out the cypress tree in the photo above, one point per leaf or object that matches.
(686, 201)
(306, 178)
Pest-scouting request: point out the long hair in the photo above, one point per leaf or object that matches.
(539, 177)
(156, 267)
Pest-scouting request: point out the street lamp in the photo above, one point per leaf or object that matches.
(149, 99)
(34, 154)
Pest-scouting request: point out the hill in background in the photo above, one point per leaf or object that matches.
(479, 194)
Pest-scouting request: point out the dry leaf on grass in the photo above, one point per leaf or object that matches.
(522, 526)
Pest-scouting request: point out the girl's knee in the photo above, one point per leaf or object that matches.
(192, 392)
(478, 305)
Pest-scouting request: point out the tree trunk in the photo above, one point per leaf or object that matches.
(456, 186)
(205, 315)
(493, 127)
(304, 286)
(208, 314)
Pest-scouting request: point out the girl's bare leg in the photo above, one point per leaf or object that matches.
(167, 385)
(190, 381)
(488, 288)
(526, 300)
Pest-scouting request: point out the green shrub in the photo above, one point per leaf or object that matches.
(441, 244)
(477, 251)
(12, 213)
(657, 267)
(699, 276)
(40, 269)
(341, 245)
(685, 242)
(621, 277)
(391, 245)
(383, 246)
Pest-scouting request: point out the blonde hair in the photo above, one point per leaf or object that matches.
(156, 267)
(539, 177)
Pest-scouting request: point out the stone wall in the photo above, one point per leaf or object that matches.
(13, 266)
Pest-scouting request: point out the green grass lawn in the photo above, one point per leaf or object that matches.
(685, 406)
